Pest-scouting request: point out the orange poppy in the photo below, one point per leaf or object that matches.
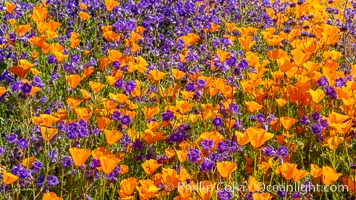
(285, 64)
(316, 171)
(124, 169)
(287, 169)
(120, 98)
(61, 114)
(231, 27)
(135, 47)
(177, 74)
(299, 57)
(9, 178)
(85, 94)
(48, 120)
(34, 90)
(28, 162)
(226, 168)
(187, 95)
(98, 152)
(51, 35)
(317, 95)
(83, 6)
(48, 133)
(299, 174)
(281, 102)
(109, 104)
(10, 6)
(182, 155)
(140, 30)
(330, 175)
(246, 42)
(39, 14)
(109, 163)
(74, 41)
(252, 106)
(59, 56)
(253, 184)
(276, 54)
(258, 137)
(170, 176)
(13, 23)
(183, 106)
(150, 112)
(73, 80)
(23, 29)
(2, 91)
(112, 136)
(127, 187)
(190, 39)
(150, 166)
(22, 69)
(103, 122)
(111, 36)
(242, 138)
(150, 137)
(205, 189)
(111, 80)
(141, 64)
(147, 189)
(170, 152)
(334, 142)
(73, 103)
(288, 122)
(110, 4)
(84, 16)
(83, 113)
(262, 196)
(51, 196)
(38, 41)
(96, 87)
(335, 117)
(114, 55)
(156, 75)
(79, 155)
(134, 37)
(222, 55)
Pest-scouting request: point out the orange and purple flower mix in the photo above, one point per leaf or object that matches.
(137, 99)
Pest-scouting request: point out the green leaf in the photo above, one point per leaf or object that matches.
(3, 66)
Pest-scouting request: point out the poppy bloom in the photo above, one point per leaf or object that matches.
(127, 187)
(10, 7)
(22, 69)
(48, 133)
(51, 196)
(150, 166)
(112, 136)
(79, 156)
(73, 80)
(258, 137)
(329, 175)
(111, 4)
(288, 122)
(226, 168)
(9, 178)
(109, 163)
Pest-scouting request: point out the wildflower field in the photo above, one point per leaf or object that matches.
(177, 99)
